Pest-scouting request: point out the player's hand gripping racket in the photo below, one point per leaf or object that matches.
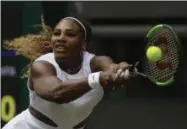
(164, 71)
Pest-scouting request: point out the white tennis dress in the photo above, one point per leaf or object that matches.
(67, 115)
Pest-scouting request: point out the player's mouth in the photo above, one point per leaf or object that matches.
(60, 48)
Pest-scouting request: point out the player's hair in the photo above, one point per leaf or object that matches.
(33, 46)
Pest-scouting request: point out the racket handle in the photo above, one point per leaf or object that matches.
(134, 69)
(141, 74)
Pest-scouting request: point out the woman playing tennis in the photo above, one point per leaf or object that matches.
(65, 81)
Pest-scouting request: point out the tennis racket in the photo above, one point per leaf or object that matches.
(165, 71)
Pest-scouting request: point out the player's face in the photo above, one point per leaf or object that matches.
(67, 40)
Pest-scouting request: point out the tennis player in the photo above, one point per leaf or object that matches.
(65, 81)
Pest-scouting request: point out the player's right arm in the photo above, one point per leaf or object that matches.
(46, 84)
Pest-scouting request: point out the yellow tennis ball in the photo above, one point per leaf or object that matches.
(154, 53)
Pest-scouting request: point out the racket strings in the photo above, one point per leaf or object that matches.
(172, 46)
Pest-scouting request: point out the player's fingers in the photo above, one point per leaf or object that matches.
(120, 78)
(122, 74)
(125, 75)
(119, 72)
(127, 67)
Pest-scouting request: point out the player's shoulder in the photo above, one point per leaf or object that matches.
(45, 61)
(88, 55)
(42, 67)
(46, 57)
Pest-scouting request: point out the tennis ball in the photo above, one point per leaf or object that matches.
(154, 54)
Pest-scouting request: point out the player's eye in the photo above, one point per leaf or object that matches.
(69, 34)
(56, 33)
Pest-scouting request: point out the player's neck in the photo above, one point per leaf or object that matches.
(73, 65)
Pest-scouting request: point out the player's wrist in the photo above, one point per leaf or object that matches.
(94, 80)
(107, 79)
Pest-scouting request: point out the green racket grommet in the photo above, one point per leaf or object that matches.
(170, 81)
(150, 33)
